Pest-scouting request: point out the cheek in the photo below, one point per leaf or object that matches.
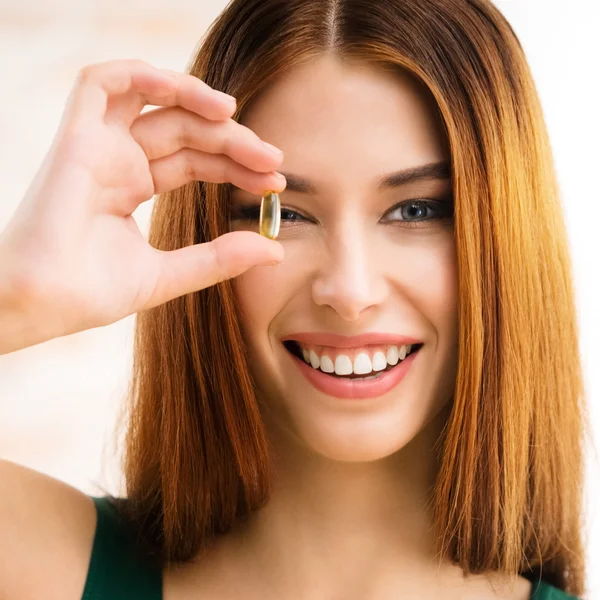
(427, 276)
(254, 292)
(261, 293)
(438, 289)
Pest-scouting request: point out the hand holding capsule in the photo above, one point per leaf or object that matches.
(72, 256)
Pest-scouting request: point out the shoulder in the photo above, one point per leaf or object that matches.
(48, 530)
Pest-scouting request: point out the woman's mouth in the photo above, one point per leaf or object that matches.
(361, 373)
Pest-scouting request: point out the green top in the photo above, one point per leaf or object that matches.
(117, 572)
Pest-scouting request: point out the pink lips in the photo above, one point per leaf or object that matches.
(352, 341)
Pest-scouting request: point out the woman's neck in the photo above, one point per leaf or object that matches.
(340, 530)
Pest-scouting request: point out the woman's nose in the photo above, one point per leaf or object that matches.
(349, 280)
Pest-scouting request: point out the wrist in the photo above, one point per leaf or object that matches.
(17, 330)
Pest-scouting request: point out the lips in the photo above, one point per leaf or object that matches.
(350, 341)
(355, 389)
(353, 386)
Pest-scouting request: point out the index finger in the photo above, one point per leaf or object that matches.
(104, 88)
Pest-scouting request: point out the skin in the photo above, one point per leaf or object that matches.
(347, 517)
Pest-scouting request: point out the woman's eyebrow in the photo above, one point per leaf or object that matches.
(437, 170)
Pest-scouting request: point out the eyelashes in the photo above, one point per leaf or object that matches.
(442, 210)
(417, 213)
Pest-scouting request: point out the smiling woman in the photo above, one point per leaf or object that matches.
(386, 402)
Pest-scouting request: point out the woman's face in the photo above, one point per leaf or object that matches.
(357, 261)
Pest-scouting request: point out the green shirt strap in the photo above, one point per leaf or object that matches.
(116, 571)
(544, 591)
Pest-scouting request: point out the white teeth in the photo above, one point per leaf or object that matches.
(343, 365)
(306, 355)
(327, 364)
(314, 359)
(379, 361)
(392, 355)
(362, 364)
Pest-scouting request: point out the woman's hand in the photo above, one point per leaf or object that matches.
(72, 255)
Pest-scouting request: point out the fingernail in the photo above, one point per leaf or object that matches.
(273, 149)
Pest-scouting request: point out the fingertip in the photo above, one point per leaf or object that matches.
(221, 110)
(227, 102)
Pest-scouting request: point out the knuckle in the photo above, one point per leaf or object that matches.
(184, 134)
(126, 63)
(137, 64)
(189, 164)
(141, 189)
(147, 188)
(86, 74)
(221, 269)
(226, 170)
(227, 138)
(91, 72)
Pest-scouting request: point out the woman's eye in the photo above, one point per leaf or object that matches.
(411, 213)
(291, 215)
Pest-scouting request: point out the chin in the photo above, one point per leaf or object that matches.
(355, 437)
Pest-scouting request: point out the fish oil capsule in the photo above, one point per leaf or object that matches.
(270, 215)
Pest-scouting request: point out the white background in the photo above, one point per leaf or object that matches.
(58, 400)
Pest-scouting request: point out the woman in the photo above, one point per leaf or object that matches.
(379, 414)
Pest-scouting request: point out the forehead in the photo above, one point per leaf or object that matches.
(330, 116)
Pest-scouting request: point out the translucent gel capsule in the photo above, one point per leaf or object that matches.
(270, 215)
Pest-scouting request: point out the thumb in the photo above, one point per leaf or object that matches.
(199, 266)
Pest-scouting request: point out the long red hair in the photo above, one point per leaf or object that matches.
(508, 495)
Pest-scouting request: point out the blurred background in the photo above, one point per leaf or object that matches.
(59, 400)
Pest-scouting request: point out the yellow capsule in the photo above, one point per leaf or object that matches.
(270, 215)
